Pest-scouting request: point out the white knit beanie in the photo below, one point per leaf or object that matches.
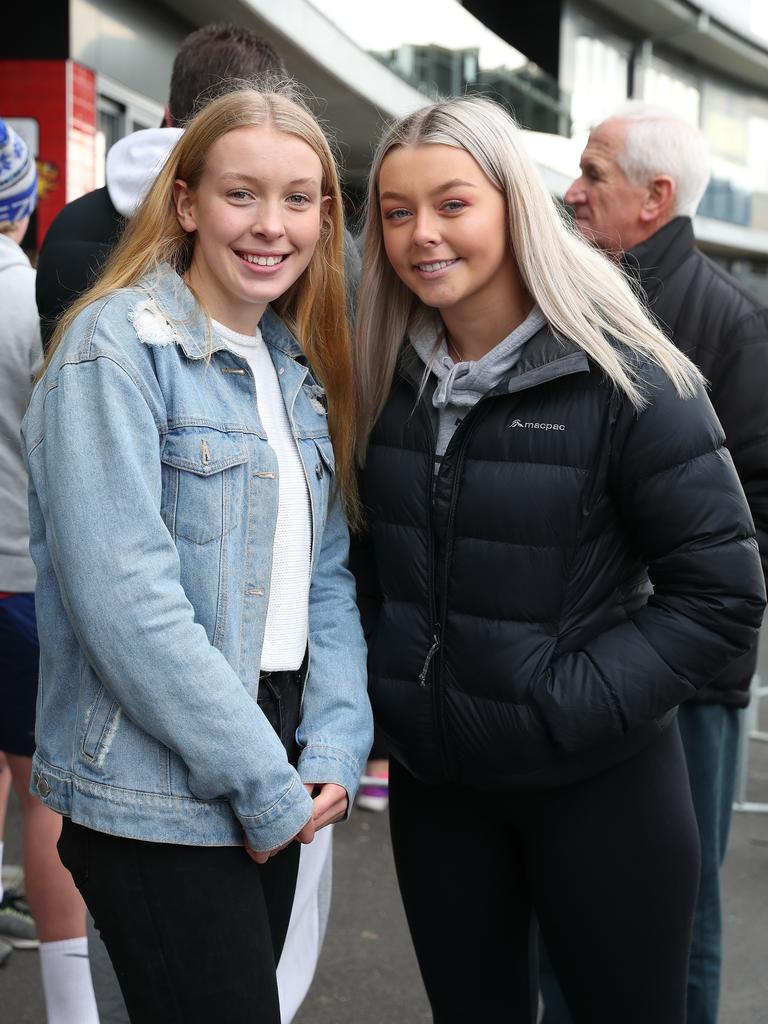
(18, 177)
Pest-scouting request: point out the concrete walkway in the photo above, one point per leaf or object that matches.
(368, 972)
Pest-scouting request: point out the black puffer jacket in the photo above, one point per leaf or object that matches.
(513, 638)
(724, 330)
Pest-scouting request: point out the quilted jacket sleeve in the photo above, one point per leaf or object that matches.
(684, 511)
(738, 395)
(362, 562)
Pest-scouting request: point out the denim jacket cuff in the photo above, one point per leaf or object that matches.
(279, 823)
(320, 763)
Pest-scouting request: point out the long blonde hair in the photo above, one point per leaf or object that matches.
(583, 296)
(313, 308)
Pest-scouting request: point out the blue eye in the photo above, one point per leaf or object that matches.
(396, 214)
(239, 194)
(299, 199)
(454, 205)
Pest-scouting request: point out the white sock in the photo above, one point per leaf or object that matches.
(67, 984)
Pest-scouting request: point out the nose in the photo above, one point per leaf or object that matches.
(269, 222)
(426, 229)
(575, 193)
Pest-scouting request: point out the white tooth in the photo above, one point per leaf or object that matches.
(262, 261)
(431, 267)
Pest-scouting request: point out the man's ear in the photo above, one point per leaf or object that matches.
(659, 200)
(184, 201)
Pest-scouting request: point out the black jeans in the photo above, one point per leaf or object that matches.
(194, 932)
(609, 866)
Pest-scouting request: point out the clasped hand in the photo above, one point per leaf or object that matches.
(329, 804)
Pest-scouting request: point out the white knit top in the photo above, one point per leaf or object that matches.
(285, 638)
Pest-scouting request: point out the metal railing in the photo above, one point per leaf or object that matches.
(750, 733)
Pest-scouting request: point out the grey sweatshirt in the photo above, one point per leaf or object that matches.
(461, 385)
(20, 357)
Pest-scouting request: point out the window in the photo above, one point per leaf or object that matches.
(121, 112)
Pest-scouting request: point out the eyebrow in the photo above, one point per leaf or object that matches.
(296, 183)
(445, 187)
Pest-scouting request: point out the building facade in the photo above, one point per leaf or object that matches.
(95, 70)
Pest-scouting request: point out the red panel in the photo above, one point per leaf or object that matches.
(67, 126)
(81, 134)
(37, 89)
(83, 98)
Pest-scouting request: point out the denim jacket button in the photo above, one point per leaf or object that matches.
(41, 785)
(319, 471)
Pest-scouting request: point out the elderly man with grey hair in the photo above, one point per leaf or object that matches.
(643, 173)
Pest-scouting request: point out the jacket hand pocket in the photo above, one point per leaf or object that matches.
(102, 724)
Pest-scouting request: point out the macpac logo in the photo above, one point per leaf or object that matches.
(537, 426)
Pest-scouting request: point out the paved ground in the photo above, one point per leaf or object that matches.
(368, 973)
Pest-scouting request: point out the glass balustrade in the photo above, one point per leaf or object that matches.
(442, 50)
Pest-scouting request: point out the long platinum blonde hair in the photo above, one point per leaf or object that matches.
(584, 297)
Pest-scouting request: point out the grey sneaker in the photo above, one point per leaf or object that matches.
(17, 925)
(5, 951)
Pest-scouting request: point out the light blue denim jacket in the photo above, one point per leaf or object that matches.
(153, 503)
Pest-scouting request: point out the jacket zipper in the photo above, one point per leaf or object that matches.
(428, 677)
(430, 655)
(423, 675)
(463, 435)
(434, 657)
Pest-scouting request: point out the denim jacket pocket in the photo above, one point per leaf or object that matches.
(202, 491)
(102, 723)
(325, 448)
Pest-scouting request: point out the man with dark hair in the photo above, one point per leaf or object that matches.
(212, 55)
(84, 233)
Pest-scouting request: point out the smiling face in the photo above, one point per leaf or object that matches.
(256, 214)
(607, 207)
(445, 230)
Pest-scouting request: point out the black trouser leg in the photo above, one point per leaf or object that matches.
(610, 865)
(189, 929)
(467, 903)
(613, 864)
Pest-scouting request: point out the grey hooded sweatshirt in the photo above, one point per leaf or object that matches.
(20, 357)
(461, 385)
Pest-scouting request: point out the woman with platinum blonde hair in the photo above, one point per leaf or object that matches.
(202, 704)
(558, 552)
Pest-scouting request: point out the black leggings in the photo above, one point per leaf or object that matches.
(194, 932)
(608, 866)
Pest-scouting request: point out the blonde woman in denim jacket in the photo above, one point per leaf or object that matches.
(188, 737)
